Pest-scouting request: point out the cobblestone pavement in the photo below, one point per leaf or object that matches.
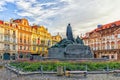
(6, 75)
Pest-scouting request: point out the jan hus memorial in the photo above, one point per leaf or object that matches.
(70, 47)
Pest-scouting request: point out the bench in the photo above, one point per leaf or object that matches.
(69, 73)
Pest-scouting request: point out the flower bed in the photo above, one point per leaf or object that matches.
(52, 65)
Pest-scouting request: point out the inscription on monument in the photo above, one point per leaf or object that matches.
(81, 51)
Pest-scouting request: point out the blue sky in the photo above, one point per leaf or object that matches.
(84, 15)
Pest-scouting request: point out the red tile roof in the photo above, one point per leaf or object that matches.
(35, 26)
(113, 24)
(1, 22)
(17, 20)
(106, 26)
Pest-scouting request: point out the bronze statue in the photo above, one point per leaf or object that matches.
(69, 40)
(69, 33)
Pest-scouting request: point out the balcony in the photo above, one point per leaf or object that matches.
(6, 49)
(7, 41)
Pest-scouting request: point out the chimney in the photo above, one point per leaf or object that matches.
(11, 20)
(98, 26)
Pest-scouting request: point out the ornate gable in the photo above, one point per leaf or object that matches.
(25, 22)
(95, 35)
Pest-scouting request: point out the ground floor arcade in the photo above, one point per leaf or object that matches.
(8, 55)
(108, 54)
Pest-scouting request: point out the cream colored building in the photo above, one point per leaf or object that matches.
(105, 41)
(8, 41)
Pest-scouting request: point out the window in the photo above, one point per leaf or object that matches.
(34, 41)
(112, 56)
(108, 37)
(34, 48)
(8, 38)
(28, 48)
(24, 47)
(118, 35)
(8, 47)
(20, 47)
(112, 37)
(14, 40)
(14, 47)
(118, 46)
(42, 49)
(26, 29)
(13, 32)
(42, 42)
(5, 46)
(5, 37)
(20, 40)
(103, 47)
(108, 47)
(39, 49)
(28, 41)
(8, 31)
(1, 37)
(24, 40)
(112, 47)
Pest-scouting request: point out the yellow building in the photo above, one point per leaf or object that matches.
(41, 40)
(19, 40)
(56, 39)
(45, 40)
(24, 37)
(34, 41)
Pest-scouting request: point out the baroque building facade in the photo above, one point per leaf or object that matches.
(19, 40)
(8, 40)
(56, 39)
(105, 41)
(41, 39)
(24, 37)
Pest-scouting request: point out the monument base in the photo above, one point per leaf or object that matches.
(72, 51)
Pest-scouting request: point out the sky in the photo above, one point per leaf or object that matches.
(83, 15)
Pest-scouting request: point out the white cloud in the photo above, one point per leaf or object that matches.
(84, 15)
(2, 8)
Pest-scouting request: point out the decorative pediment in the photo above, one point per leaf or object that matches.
(25, 22)
(95, 34)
